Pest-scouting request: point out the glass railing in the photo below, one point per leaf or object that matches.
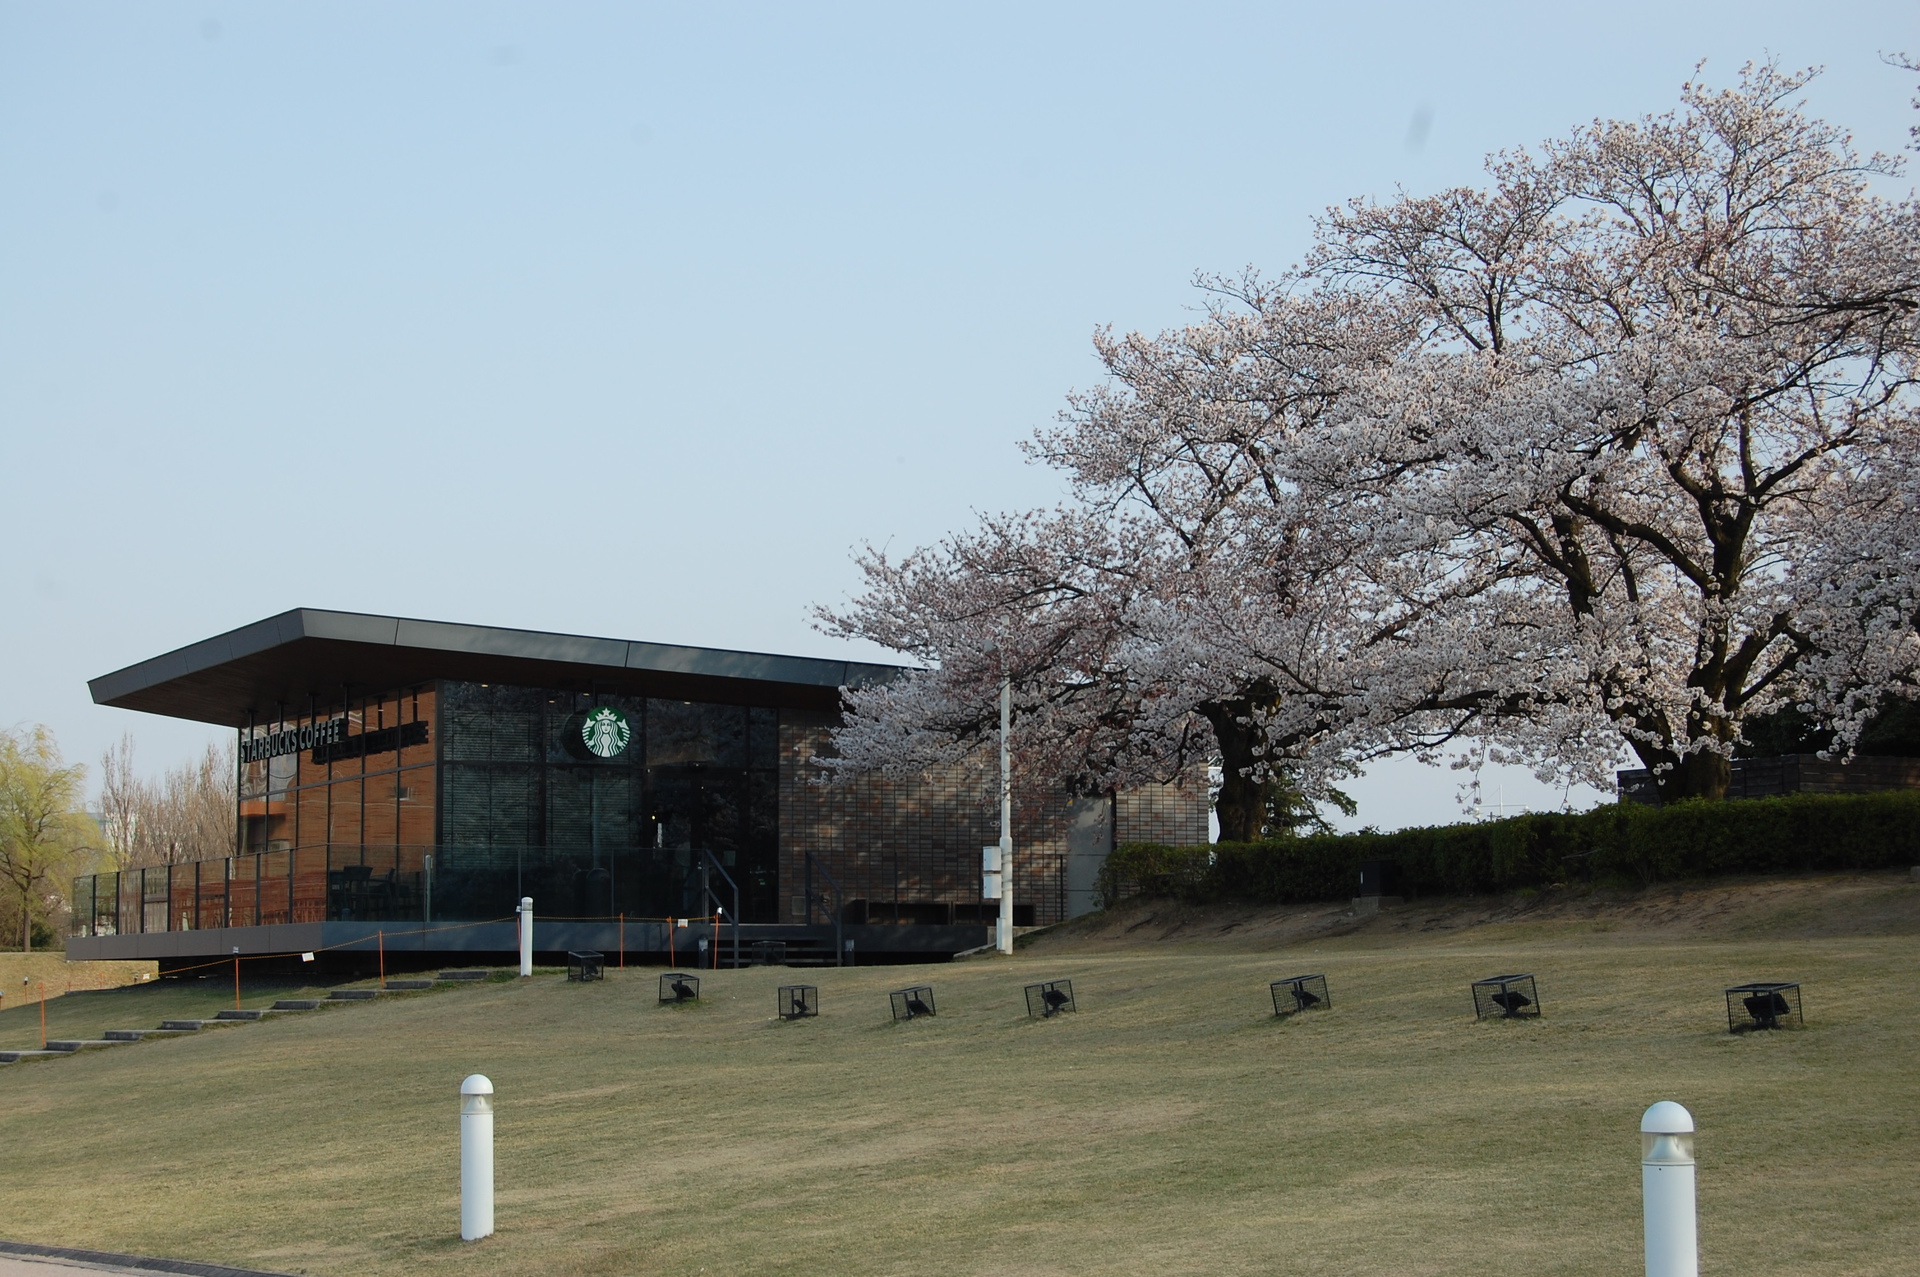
(427, 883)
(310, 884)
(342, 883)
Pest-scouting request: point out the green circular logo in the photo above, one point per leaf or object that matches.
(605, 732)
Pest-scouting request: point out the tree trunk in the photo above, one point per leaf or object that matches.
(1242, 804)
(26, 924)
(1702, 775)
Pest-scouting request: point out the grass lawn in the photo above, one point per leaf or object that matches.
(1171, 1125)
(89, 1014)
(25, 977)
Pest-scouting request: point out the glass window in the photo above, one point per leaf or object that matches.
(382, 810)
(491, 724)
(681, 732)
(414, 796)
(309, 869)
(491, 804)
(82, 906)
(763, 738)
(106, 904)
(276, 887)
(344, 815)
(213, 892)
(416, 729)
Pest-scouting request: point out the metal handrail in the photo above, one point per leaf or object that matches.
(839, 907)
(707, 858)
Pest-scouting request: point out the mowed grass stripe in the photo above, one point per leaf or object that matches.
(1169, 1125)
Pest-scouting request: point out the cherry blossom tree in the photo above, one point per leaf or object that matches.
(1615, 451)
(1862, 602)
(1655, 357)
(1203, 597)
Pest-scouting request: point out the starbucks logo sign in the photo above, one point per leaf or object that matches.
(605, 732)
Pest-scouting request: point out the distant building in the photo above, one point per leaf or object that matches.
(403, 783)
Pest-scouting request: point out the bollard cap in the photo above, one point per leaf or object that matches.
(1666, 1136)
(1666, 1118)
(477, 1084)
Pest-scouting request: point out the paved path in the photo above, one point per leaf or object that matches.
(18, 1259)
(38, 1266)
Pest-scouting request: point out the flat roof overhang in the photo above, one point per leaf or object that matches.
(272, 667)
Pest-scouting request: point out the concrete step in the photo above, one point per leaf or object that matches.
(465, 975)
(15, 1057)
(237, 1013)
(70, 1045)
(135, 1035)
(193, 1026)
(299, 1004)
(408, 985)
(353, 995)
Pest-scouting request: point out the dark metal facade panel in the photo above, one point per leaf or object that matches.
(484, 640)
(756, 666)
(207, 655)
(260, 670)
(346, 627)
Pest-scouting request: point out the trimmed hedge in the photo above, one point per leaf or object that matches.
(1621, 841)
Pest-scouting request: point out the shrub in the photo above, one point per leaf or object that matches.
(1793, 834)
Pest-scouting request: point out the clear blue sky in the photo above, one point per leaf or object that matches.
(630, 319)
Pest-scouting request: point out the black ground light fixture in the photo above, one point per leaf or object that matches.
(1049, 998)
(1506, 997)
(586, 965)
(798, 1001)
(911, 1004)
(1763, 1006)
(678, 986)
(1301, 993)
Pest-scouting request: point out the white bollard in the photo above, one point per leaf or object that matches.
(1666, 1187)
(476, 1158)
(526, 935)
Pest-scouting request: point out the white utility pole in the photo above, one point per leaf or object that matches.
(526, 935)
(1666, 1188)
(1005, 937)
(476, 1158)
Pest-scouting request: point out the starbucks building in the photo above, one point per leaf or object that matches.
(401, 784)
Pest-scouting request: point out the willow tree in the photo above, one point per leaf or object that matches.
(43, 828)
